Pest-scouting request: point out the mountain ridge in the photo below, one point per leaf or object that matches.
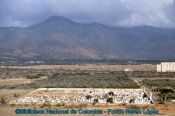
(58, 37)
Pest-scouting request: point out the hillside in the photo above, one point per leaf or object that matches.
(59, 38)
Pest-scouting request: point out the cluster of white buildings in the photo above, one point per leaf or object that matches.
(166, 67)
(118, 96)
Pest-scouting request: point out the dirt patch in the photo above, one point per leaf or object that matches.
(14, 81)
(10, 94)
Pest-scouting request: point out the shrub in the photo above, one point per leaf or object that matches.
(60, 104)
(16, 95)
(45, 105)
(3, 101)
(110, 100)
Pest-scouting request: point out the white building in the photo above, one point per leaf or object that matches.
(166, 67)
(127, 69)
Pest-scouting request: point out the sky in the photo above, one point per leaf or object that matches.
(125, 13)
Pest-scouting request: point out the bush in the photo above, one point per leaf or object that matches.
(45, 105)
(111, 93)
(110, 100)
(3, 101)
(60, 104)
(16, 95)
(88, 96)
(34, 76)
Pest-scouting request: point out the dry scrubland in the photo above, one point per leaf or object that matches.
(144, 67)
(17, 81)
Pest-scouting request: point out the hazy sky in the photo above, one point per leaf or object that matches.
(158, 13)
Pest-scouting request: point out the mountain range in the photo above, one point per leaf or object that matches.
(58, 38)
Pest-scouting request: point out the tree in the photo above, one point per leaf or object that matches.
(165, 92)
(3, 101)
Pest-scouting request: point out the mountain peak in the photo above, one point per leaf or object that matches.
(52, 22)
(58, 19)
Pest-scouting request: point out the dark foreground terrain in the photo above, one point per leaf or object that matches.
(89, 76)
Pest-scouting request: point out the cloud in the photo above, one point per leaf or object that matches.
(157, 13)
(146, 12)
